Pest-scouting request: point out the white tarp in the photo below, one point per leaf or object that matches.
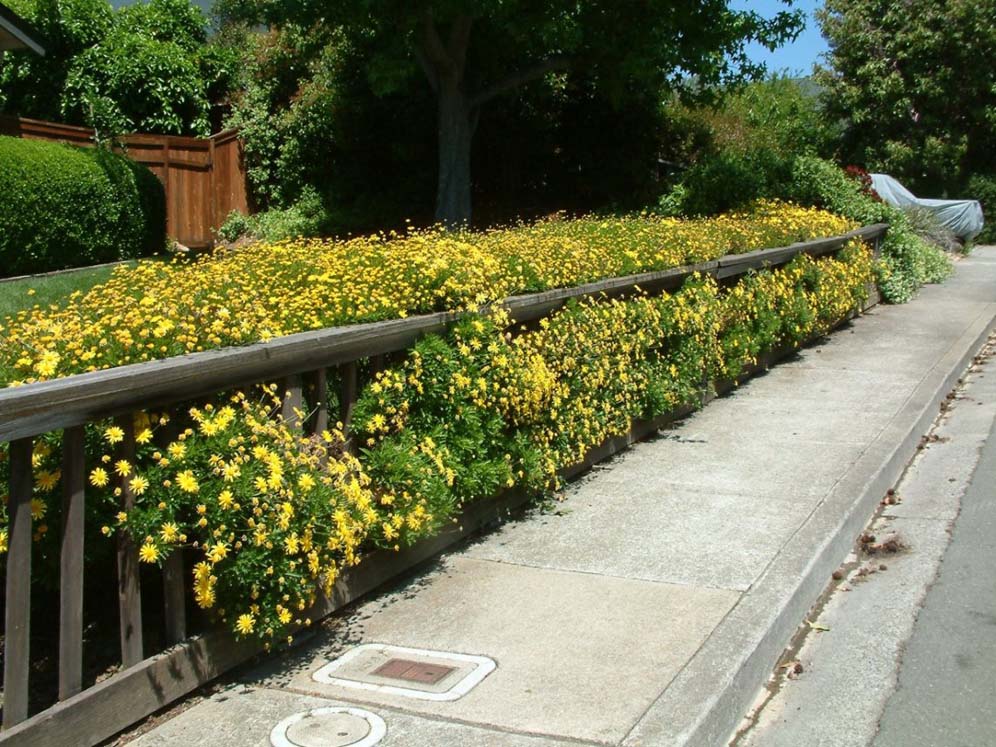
(963, 217)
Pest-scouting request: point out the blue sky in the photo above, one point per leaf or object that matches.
(796, 58)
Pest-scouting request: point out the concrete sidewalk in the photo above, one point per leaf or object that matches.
(650, 606)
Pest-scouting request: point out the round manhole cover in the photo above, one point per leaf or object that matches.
(329, 727)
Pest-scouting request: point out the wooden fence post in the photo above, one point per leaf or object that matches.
(129, 589)
(16, 652)
(71, 564)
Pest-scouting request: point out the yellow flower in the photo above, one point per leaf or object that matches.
(98, 477)
(122, 467)
(187, 482)
(37, 508)
(177, 450)
(169, 532)
(46, 480)
(114, 435)
(245, 624)
(148, 553)
(138, 485)
(225, 499)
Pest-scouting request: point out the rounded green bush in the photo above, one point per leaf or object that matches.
(65, 206)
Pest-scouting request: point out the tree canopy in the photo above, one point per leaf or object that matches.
(470, 52)
(147, 67)
(915, 86)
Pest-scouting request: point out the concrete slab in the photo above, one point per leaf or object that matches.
(243, 717)
(579, 655)
(733, 461)
(678, 535)
(808, 385)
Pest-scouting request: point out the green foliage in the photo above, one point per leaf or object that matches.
(906, 80)
(983, 188)
(68, 207)
(778, 114)
(925, 224)
(306, 217)
(743, 144)
(147, 67)
(907, 261)
(32, 85)
(730, 180)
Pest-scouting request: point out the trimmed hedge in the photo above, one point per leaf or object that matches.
(64, 206)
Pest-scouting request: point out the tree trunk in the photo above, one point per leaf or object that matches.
(456, 130)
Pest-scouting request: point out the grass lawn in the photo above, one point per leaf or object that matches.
(15, 295)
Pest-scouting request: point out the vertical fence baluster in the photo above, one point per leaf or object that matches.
(318, 399)
(16, 655)
(71, 564)
(174, 599)
(293, 400)
(129, 589)
(347, 395)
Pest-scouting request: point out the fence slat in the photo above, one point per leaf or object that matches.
(71, 564)
(16, 654)
(347, 395)
(291, 391)
(318, 387)
(174, 599)
(129, 589)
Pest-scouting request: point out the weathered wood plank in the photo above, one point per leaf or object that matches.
(74, 400)
(292, 393)
(347, 395)
(129, 590)
(318, 386)
(17, 618)
(71, 564)
(174, 598)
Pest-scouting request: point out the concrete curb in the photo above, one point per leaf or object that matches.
(705, 703)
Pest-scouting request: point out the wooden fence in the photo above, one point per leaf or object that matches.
(204, 177)
(300, 362)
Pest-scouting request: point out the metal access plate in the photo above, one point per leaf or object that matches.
(329, 727)
(413, 671)
(409, 672)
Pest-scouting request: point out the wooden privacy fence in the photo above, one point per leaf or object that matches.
(204, 177)
(301, 362)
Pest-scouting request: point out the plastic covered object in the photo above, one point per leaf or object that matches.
(962, 217)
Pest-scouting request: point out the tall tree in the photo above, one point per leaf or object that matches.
(473, 51)
(914, 84)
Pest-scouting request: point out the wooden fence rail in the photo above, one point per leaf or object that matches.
(204, 178)
(300, 362)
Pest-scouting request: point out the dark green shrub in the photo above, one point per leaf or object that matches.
(306, 217)
(730, 180)
(983, 188)
(68, 207)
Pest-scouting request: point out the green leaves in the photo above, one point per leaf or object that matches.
(147, 68)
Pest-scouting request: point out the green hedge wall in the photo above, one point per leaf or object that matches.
(63, 206)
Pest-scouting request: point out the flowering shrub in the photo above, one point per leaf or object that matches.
(271, 515)
(157, 310)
